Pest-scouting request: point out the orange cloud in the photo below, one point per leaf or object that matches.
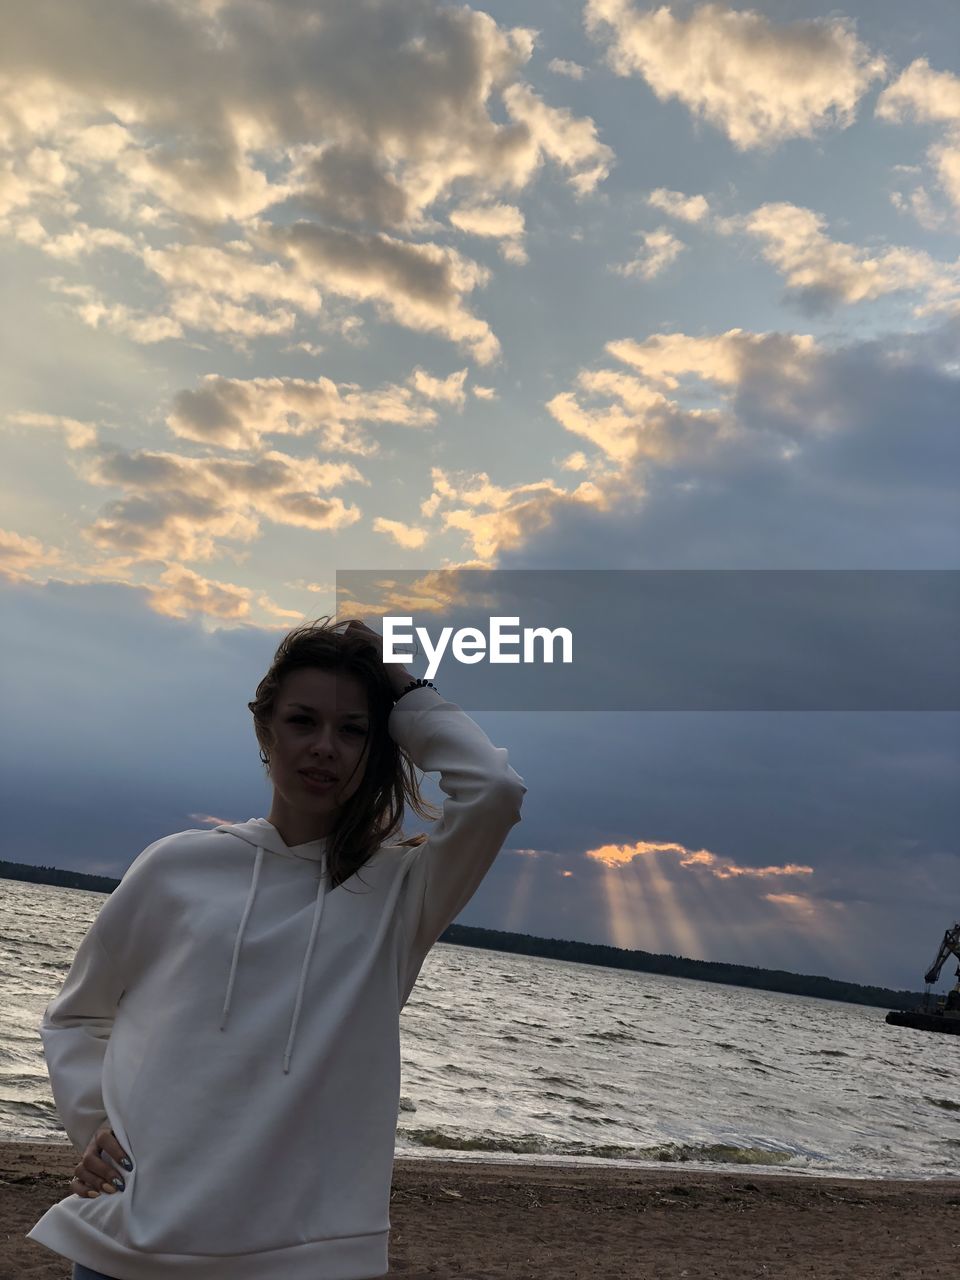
(619, 855)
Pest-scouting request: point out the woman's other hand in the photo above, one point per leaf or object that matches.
(93, 1174)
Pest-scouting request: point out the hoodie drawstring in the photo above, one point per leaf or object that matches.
(243, 924)
(317, 912)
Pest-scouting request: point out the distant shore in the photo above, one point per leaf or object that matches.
(480, 1220)
(816, 986)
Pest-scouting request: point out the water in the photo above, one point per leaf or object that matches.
(530, 1060)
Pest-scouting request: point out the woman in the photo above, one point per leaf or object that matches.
(225, 1049)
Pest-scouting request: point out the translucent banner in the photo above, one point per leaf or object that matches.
(670, 640)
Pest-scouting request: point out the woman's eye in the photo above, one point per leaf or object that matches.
(352, 728)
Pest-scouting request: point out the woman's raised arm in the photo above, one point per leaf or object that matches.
(484, 795)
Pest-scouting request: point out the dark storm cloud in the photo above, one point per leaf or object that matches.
(871, 483)
(123, 726)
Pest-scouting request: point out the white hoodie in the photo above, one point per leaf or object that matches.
(235, 1018)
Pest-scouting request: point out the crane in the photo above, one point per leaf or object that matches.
(946, 1016)
(949, 946)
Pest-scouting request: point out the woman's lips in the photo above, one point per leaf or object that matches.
(318, 784)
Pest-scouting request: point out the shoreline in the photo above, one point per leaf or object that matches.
(483, 1219)
(456, 1158)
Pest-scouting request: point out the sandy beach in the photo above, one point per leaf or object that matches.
(481, 1220)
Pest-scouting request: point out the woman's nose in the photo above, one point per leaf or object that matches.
(324, 742)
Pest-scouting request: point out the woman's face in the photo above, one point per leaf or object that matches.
(321, 725)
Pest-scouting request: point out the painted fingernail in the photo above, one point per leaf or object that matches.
(118, 1183)
(127, 1164)
(110, 1188)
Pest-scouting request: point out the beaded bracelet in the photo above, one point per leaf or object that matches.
(416, 684)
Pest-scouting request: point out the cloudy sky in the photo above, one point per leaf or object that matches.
(293, 287)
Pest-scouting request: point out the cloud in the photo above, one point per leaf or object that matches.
(494, 517)
(758, 81)
(563, 67)
(932, 97)
(80, 240)
(803, 905)
(630, 419)
(724, 358)
(309, 584)
(382, 86)
(638, 423)
(362, 121)
(145, 327)
(576, 461)
(920, 93)
(184, 593)
(408, 536)
(621, 855)
(178, 508)
(211, 289)
(919, 204)
(144, 668)
(821, 272)
(21, 554)
(238, 414)
(38, 174)
(858, 846)
(743, 450)
(343, 185)
(77, 434)
(881, 837)
(447, 390)
(677, 205)
(274, 610)
(421, 286)
(502, 221)
(204, 276)
(661, 248)
(570, 141)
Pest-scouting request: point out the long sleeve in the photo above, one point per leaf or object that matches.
(483, 799)
(75, 1029)
(76, 1024)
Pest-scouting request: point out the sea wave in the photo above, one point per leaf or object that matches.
(537, 1144)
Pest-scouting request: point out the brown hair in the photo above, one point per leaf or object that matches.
(375, 811)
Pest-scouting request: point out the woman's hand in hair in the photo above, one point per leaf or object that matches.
(93, 1174)
(398, 676)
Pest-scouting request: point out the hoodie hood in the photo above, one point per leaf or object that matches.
(263, 835)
